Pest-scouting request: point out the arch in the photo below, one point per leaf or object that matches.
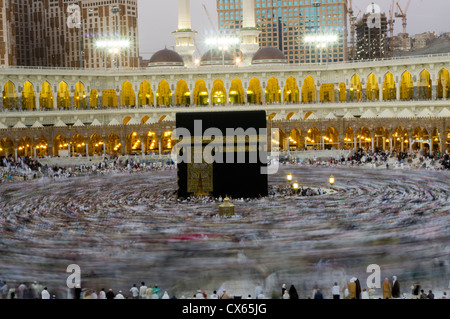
(400, 139)
(291, 91)
(309, 91)
(63, 97)
(151, 143)
(424, 86)
(296, 140)
(182, 93)
(145, 94)
(313, 139)
(80, 96)
(77, 145)
(60, 143)
(273, 91)
(93, 98)
(364, 138)
(420, 139)
(28, 96)
(201, 95)
(389, 88)
(109, 98)
(127, 95)
(42, 147)
(6, 147)
(355, 88)
(126, 120)
(372, 88)
(10, 97)
(46, 96)
(134, 144)
(96, 145)
(236, 94)
(254, 92)
(331, 138)
(218, 93)
(25, 147)
(446, 139)
(167, 143)
(406, 87)
(443, 85)
(145, 119)
(342, 92)
(327, 92)
(381, 138)
(349, 140)
(113, 145)
(163, 94)
(271, 116)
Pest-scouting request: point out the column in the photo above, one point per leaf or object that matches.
(288, 148)
(159, 147)
(70, 151)
(355, 142)
(373, 143)
(87, 149)
(431, 145)
(398, 91)
(36, 99)
(15, 153)
(142, 148)
(35, 152)
(390, 144)
(317, 94)
(380, 93)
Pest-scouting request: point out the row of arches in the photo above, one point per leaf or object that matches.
(253, 92)
(379, 138)
(297, 139)
(94, 145)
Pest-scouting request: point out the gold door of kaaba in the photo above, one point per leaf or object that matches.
(200, 179)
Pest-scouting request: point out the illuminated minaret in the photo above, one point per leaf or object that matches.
(184, 35)
(249, 32)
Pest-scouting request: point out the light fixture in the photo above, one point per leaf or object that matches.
(332, 180)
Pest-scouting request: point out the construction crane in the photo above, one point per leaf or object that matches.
(352, 26)
(391, 26)
(402, 15)
(209, 18)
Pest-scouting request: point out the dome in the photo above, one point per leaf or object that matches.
(269, 55)
(166, 57)
(216, 57)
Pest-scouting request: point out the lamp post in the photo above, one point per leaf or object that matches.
(331, 180)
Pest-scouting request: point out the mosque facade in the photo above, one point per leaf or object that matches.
(401, 104)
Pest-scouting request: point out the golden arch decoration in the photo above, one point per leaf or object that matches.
(113, 144)
(406, 87)
(400, 139)
(109, 98)
(134, 144)
(80, 96)
(364, 138)
(355, 88)
(182, 94)
(28, 96)
(77, 145)
(331, 138)
(381, 138)
(389, 88)
(443, 84)
(236, 94)
(296, 140)
(93, 98)
(60, 143)
(63, 98)
(42, 147)
(201, 95)
(6, 148)
(167, 143)
(164, 94)
(10, 97)
(126, 120)
(342, 92)
(127, 95)
(372, 88)
(218, 93)
(25, 147)
(327, 92)
(313, 139)
(46, 96)
(96, 145)
(309, 91)
(424, 86)
(145, 94)
(349, 140)
(291, 91)
(254, 92)
(151, 143)
(273, 91)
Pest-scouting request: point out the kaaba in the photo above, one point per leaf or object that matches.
(222, 154)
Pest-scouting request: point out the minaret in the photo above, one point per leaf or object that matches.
(184, 35)
(249, 32)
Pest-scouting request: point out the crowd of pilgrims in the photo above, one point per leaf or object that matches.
(26, 167)
(350, 291)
